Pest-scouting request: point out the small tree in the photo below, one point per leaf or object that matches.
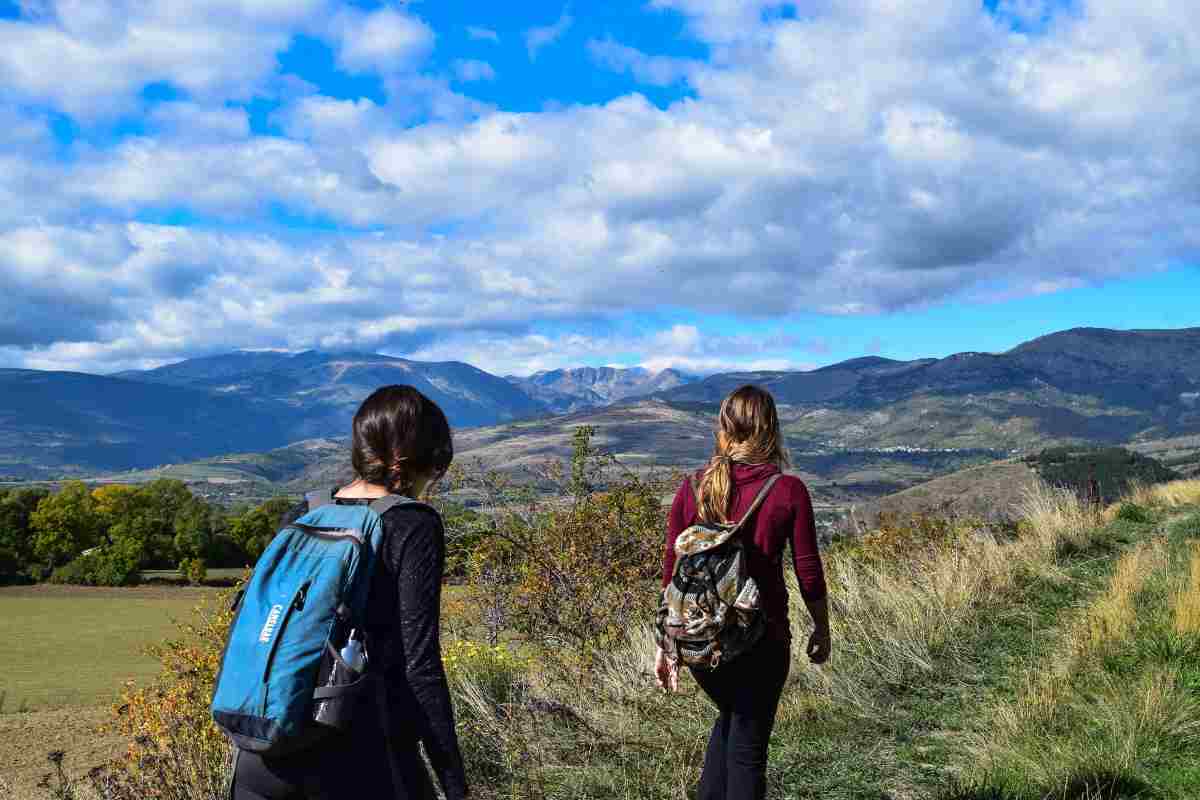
(164, 499)
(254, 529)
(194, 570)
(193, 527)
(65, 524)
(16, 537)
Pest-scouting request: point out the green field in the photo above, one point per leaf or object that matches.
(67, 651)
(74, 646)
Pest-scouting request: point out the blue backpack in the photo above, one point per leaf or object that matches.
(308, 590)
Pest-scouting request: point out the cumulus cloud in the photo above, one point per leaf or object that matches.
(93, 58)
(385, 40)
(870, 157)
(539, 37)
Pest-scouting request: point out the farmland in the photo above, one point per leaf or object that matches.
(68, 651)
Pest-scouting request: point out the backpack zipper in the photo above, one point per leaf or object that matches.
(296, 604)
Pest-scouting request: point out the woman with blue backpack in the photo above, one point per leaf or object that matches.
(724, 609)
(341, 621)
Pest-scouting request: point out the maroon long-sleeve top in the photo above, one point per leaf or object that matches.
(786, 516)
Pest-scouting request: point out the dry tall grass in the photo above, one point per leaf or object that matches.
(899, 616)
(892, 620)
(1047, 688)
(1042, 745)
(1054, 523)
(1080, 722)
(1112, 617)
(1166, 495)
(1185, 602)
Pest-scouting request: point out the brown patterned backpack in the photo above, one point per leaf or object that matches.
(709, 613)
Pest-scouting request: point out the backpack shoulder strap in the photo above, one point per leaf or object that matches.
(318, 498)
(384, 504)
(762, 495)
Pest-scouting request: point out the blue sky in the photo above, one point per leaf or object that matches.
(705, 185)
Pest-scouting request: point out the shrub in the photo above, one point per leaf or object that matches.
(570, 572)
(489, 688)
(1132, 512)
(496, 667)
(116, 564)
(1186, 528)
(194, 570)
(175, 752)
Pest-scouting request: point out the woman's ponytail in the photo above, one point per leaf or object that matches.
(716, 489)
(748, 433)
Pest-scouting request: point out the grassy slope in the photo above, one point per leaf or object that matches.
(994, 489)
(920, 742)
(935, 634)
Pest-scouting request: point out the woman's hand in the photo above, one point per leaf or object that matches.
(818, 643)
(818, 646)
(666, 672)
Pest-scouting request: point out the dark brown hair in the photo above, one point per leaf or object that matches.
(399, 436)
(748, 433)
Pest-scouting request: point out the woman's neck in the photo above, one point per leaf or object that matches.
(360, 489)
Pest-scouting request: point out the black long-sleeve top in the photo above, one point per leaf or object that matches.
(403, 621)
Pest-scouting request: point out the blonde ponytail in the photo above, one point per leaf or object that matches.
(748, 433)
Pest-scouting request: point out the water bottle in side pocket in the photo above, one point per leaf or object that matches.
(343, 670)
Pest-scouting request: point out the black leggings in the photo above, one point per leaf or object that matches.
(360, 773)
(746, 692)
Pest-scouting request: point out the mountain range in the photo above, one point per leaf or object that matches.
(567, 390)
(68, 422)
(1082, 385)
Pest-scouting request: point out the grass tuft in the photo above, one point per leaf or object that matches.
(1173, 494)
(1185, 602)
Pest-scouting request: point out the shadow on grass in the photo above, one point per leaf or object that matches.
(1081, 786)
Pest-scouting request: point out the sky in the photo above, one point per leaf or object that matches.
(699, 184)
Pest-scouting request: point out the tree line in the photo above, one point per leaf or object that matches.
(106, 536)
(1115, 469)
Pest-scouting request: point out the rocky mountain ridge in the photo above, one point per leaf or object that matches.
(1084, 385)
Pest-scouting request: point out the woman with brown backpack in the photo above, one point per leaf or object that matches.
(724, 611)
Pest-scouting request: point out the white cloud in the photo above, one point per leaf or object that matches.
(384, 41)
(468, 70)
(515, 353)
(93, 58)
(873, 156)
(539, 37)
(190, 121)
(486, 34)
(652, 70)
(328, 119)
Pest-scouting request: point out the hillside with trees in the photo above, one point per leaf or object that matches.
(1115, 470)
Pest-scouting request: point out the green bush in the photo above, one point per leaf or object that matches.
(1186, 528)
(116, 564)
(194, 570)
(569, 572)
(1132, 512)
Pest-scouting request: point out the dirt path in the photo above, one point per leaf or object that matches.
(26, 738)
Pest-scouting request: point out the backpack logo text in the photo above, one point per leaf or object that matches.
(272, 621)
